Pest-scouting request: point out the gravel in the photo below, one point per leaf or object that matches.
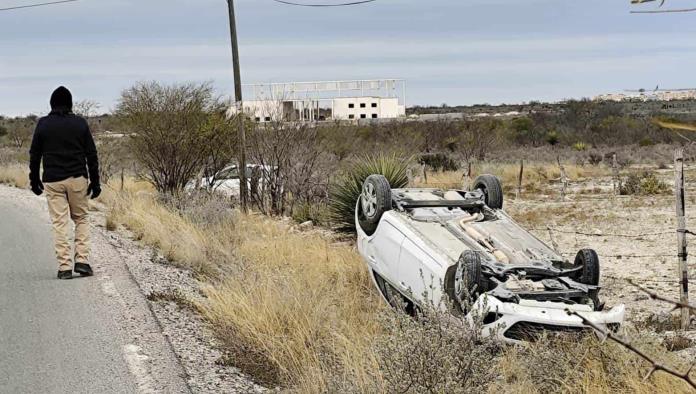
(169, 289)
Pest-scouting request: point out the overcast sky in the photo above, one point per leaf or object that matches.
(449, 51)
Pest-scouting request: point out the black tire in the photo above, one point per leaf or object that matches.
(589, 261)
(468, 279)
(393, 297)
(374, 200)
(492, 190)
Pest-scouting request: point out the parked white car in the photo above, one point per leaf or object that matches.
(226, 181)
(459, 251)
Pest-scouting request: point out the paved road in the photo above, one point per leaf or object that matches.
(87, 335)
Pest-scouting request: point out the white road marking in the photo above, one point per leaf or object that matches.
(137, 364)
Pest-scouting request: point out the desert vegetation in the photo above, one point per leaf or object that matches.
(286, 291)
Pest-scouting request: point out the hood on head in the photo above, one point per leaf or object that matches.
(61, 100)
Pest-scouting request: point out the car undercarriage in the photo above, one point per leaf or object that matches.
(463, 249)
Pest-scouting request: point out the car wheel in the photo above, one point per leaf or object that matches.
(589, 261)
(468, 279)
(394, 297)
(374, 200)
(492, 190)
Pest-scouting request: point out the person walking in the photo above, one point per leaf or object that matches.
(63, 141)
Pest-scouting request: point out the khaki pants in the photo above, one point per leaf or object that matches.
(68, 200)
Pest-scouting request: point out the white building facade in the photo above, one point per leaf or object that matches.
(326, 100)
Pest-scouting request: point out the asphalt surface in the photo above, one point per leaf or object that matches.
(85, 335)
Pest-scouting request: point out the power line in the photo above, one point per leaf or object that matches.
(36, 5)
(324, 5)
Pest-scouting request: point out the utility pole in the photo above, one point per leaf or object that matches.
(681, 236)
(243, 195)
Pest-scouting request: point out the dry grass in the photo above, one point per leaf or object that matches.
(585, 365)
(537, 177)
(305, 306)
(15, 175)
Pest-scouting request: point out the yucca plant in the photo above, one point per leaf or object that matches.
(346, 189)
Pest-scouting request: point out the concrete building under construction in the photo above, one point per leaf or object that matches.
(326, 100)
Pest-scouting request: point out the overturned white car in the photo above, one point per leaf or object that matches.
(459, 250)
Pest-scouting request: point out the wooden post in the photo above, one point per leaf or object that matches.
(409, 175)
(564, 180)
(519, 180)
(122, 180)
(615, 175)
(425, 174)
(681, 235)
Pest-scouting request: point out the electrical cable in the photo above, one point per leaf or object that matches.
(36, 5)
(325, 5)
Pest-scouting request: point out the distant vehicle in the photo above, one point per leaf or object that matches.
(226, 181)
(459, 251)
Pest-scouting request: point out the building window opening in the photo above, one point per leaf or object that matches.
(374, 116)
(268, 119)
(363, 105)
(363, 116)
(351, 105)
(351, 116)
(374, 105)
(258, 119)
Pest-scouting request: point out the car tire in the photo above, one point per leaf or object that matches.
(468, 279)
(589, 261)
(393, 297)
(492, 190)
(374, 200)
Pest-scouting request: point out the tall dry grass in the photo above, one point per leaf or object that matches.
(15, 175)
(292, 308)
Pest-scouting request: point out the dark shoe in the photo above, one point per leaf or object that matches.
(83, 269)
(65, 274)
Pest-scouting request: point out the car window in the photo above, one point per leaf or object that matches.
(228, 173)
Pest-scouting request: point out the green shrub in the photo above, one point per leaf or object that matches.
(346, 189)
(645, 183)
(552, 138)
(646, 141)
(317, 213)
(439, 161)
(580, 146)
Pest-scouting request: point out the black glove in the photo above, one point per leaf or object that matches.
(94, 189)
(37, 187)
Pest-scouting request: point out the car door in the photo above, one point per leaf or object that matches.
(383, 250)
(416, 277)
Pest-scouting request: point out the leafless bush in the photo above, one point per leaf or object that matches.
(201, 208)
(435, 353)
(288, 155)
(175, 130)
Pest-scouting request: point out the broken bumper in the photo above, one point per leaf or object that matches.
(519, 322)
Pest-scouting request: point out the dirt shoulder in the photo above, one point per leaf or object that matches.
(171, 292)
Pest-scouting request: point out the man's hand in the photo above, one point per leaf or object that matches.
(37, 187)
(94, 189)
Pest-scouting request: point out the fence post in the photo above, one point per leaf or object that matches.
(425, 174)
(615, 175)
(122, 180)
(519, 180)
(681, 235)
(564, 179)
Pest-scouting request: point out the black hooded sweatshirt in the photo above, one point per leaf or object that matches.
(64, 142)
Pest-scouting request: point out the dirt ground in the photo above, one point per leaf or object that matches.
(635, 237)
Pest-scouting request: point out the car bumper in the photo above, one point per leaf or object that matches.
(519, 322)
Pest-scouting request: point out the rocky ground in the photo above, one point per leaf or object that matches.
(171, 291)
(635, 237)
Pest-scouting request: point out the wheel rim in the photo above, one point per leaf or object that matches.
(483, 190)
(368, 200)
